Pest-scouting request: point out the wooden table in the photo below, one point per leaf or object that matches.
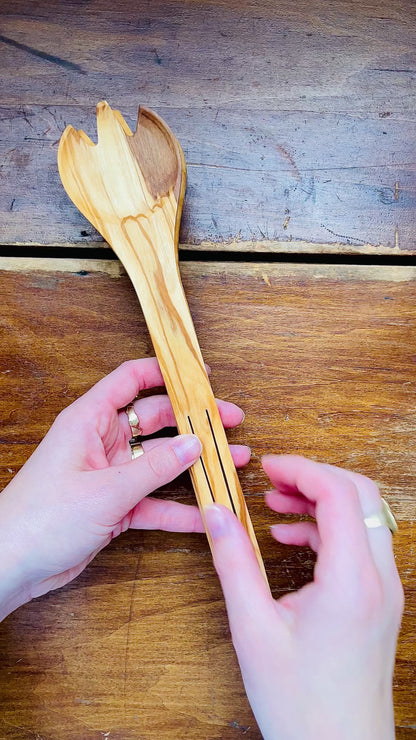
(297, 255)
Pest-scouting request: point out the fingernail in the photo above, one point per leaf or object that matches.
(216, 521)
(187, 448)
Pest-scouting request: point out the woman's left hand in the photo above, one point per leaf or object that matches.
(80, 488)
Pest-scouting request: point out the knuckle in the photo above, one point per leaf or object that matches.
(66, 416)
(350, 490)
(364, 598)
(129, 365)
(165, 412)
(131, 368)
(342, 488)
(366, 483)
(368, 491)
(135, 371)
(373, 603)
(161, 462)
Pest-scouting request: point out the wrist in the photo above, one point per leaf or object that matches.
(14, 581)
(13, 589)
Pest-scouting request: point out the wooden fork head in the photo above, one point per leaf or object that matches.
(125, 175)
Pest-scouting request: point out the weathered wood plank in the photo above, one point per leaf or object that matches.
(297, 120)
(321, 359)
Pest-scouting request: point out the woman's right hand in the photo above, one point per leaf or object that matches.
(317, 664)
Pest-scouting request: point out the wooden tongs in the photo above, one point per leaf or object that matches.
(131, 187)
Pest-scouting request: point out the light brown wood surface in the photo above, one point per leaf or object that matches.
(322, 360)
(296, 119)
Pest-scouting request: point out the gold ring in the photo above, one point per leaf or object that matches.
(134, 421)
(136, 448)
(384, 518)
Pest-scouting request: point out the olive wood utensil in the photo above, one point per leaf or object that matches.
(131, 187)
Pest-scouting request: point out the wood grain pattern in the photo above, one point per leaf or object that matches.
(131, 188)
(296, 119)
(322, 360)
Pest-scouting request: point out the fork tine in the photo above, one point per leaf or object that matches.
(75, 147)
(109, 123)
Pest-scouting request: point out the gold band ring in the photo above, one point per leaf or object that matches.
(134, 421)
(136, 448)
(383, 518)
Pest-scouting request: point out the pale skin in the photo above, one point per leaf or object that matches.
(80, 488)
(316, 664)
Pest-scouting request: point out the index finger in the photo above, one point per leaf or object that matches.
(126, 382)
(344, 543)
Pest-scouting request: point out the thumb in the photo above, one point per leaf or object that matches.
(157, 466)
(246, 593)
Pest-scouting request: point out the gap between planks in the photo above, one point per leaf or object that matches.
(272, 246)
(113, 268)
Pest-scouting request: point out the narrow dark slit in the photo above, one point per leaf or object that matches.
(202, 463)
(222, 466)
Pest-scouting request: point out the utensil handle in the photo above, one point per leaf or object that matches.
(158, 285)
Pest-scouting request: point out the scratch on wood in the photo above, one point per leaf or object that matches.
(348, 239)
(157, 57)
(286, 222)
(289, 158)
(391, 69)
(26, 115)
(396, 191)
(126, 650)
(43, 55)
(266, 279)
(396, 237)
(237, 726)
